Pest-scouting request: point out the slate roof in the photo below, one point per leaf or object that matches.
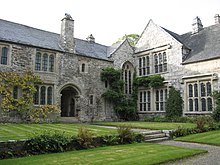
(204, 45)
(17, 33)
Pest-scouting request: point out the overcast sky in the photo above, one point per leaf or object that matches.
(109, 20)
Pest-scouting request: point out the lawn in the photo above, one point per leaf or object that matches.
(23, 131)
(150, 125)
(141, 153)
(212, 137)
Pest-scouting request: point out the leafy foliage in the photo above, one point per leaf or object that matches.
(85, 138)
(42, 112)
(174, 104)
(124, 106)
(23, 105)
(153, 81)
(25, 82)
(48, 142)
(125, 134)
(216, 112)
(132, 38)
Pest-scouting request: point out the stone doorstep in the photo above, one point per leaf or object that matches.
(154, 136)
(157, 139)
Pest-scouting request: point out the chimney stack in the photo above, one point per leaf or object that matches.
(90, 38)
(217, 19)
(67, 33)
(196, 25)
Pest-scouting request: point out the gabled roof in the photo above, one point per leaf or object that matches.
(17, 33)
(204, 45)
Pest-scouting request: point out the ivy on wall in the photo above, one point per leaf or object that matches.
(124, 106)
(153, 81)
(22, 105)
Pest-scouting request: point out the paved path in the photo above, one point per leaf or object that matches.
(210, 158)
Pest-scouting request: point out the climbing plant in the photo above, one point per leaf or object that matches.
(153, 81)
(124, 106)
(22, 105)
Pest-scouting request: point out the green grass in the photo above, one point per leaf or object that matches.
(150, 125)
(142, 153)
(212, 137)
(23, 131)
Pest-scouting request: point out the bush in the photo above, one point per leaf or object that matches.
(125, 134)
(110, 140)
(85, 138)
(216, 112)
(48, 142)
(183, 132)
(174, 104)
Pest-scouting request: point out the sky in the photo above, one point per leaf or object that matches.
(109, 20)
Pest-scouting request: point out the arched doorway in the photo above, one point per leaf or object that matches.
(68, 102)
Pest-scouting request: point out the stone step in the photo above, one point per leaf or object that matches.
(69, 120)
(151, 132)
(154, 136)
(157, 139)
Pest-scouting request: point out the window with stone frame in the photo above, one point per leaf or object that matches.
(43, 95)
(199, 96)
(152, 100)
(4, 55)
(160, 99)
(144, 65)
(15, 92)
(83, 67)
(144, 100)
(127, 76)
(160, 62)
(44, 61)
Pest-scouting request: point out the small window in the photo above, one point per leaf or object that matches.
(15, 92)
(51, 63)
(91, 101)
(42, 95)
(36, 96)
(49, 95)
(38, 61)
(45, 62)
(4, 56)
(83, 67)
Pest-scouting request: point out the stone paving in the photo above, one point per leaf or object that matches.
(210, 158)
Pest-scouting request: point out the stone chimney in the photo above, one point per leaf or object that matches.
(217, 19)
(67, 34)
(196, 25)
(90, 38)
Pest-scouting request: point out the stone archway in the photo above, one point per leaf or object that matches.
(69, 96)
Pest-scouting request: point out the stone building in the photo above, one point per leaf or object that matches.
(71, 67)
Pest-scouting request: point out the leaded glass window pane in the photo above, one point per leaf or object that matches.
(45, 62)
(4, 56)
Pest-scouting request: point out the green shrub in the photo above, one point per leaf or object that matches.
(48, 142)
(183, 132)
(200, 123)
(125, 134)
(85, 138)
(216, 112)
(110, 140)
(174, 104)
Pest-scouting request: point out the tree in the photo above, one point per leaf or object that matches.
(216, 112)
(174, 104)
(132, 38)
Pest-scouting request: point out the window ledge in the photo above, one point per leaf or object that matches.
(143, 112)
(197, 113)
